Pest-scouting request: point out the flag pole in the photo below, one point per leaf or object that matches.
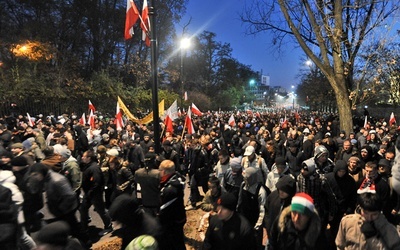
(153, 42)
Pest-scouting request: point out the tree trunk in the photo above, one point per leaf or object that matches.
(343, 102)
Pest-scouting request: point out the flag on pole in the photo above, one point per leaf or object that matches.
(145, 25)
(31, 123)
(185, 96)
(118, 119)
(91, 120)
(132, 15)
(392, 119)
(170, 115)
(91, 106)
(196, 110)
(231, 121)
(82, 120)
(189, 123)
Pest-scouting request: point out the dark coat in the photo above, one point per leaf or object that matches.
(92, 179)
(234, 234)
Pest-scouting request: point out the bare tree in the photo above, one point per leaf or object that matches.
(330, 32)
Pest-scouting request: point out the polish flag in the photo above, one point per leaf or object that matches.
(91, 106)
(392, 119)
(82, 120)
(366, 121)
(189, 123)
(231, 121)
(132, 15)
(145, 25)
(118, 119)
(91, 120)
(196, 111)
(31, 122)
(170, 115)
(238, 113)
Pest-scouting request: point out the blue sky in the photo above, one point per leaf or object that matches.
(222, 18)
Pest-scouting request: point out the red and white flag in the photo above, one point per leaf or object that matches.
(170, 115)
(189, 123)
(392, 119)
(91, 120)
(196, 110)
(118, 119)
(91, 106)
(145, 24)
(31, 122)
(132, 15)
(231, 121)
(82, 120)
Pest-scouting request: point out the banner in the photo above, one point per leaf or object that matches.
(145, 120)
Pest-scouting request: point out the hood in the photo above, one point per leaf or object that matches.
(250, 174)
(7, 176)
(312, 232)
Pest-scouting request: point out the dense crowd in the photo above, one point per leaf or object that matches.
(298, 177)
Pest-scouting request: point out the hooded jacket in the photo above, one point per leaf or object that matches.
(351, 237)
(285, 236)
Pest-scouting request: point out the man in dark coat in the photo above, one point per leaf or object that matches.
(278, 200)
(298, 226)
(228, 229)
(93, 186)
(172, 213)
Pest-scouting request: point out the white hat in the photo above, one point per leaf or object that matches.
(112, 152)
(306, 130)
(249, 150)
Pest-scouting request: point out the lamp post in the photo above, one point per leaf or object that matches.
(185, 44)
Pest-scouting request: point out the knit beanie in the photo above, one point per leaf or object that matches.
(235, 163)
(19, 161)
(303, 203)
(228, 201)
(56, 233)
(287, 184)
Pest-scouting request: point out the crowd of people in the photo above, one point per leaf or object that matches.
(302, 180)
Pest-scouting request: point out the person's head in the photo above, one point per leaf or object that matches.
(302, 209)
(53, 236)
(114, 163)
(89, 156)
(223, 156)
(167, 146)
(280, 164)
(286, 187)
(353, 163)
(340, 168)
(226, 206)
(250, 153)
(17, 148)
(235, 165)
(384, 166)
(370, 206)
(347, 146)
(321, 154)
(389, 155)
(36, 179)
(214, 186)
(167, 167)
(250, 176)
(307, 168)
(371, 170)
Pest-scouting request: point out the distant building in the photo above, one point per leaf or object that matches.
(265, 80)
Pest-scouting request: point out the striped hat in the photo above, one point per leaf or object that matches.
(303, 203)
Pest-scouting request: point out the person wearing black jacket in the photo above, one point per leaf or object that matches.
(172, 214)
(344, 189)
(93, 186)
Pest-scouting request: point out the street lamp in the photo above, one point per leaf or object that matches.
(185, 44)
